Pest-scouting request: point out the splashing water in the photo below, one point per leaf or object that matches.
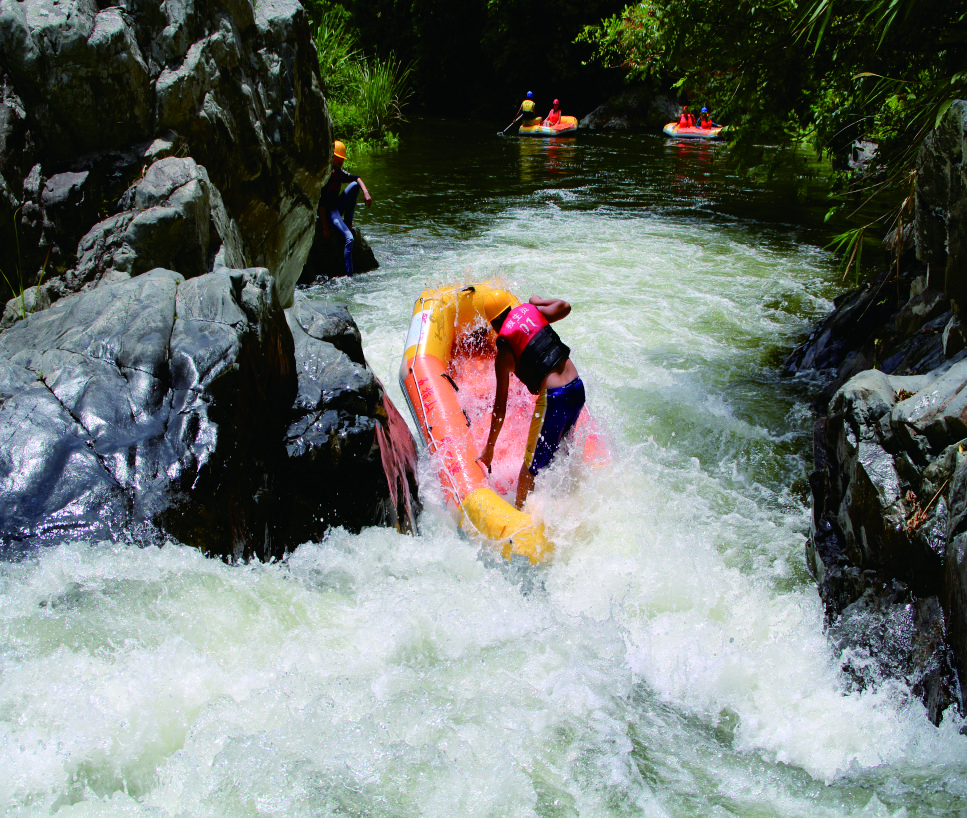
(670, 661)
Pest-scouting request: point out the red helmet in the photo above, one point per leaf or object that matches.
(557, 102)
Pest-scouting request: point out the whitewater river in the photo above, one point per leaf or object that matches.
(671, 660)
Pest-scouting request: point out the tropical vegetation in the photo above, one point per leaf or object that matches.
(838, 74)
(477, 58)
(365, 95)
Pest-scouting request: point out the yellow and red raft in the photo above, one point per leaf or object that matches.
(447, 376)
(566, 126)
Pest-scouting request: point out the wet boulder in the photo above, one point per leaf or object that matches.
(150, 407)
(161, 406)
(86, 91)
(173, 217)
(886, 546)
(351, 457)
(327, 257)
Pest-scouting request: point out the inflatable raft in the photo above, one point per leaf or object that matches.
(447, 376)
(676, 130)
(566, 125)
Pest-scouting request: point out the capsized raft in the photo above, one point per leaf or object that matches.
(676, 130)
(565, 125)
(447, 376)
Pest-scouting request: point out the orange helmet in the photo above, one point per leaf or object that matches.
(339, 149)
(496, 302)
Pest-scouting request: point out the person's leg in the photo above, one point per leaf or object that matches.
(336, 220)
(555, 414)
(347, 202)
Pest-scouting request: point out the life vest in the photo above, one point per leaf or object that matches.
(683, 121)
(527, 110)
(553, 117)
(537, 348)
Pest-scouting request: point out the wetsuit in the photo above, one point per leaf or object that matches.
(338, 208)
(538, 350)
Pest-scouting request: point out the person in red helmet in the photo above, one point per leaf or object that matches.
(528, 346)
(686, 120)
(336, 209)
(554, 115)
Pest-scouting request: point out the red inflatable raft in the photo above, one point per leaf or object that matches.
(676, 130)
(447, 376)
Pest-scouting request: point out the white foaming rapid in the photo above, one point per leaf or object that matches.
(669, 662)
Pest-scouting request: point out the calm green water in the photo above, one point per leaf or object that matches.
(671, 660)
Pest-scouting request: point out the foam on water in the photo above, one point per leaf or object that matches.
(669, 662)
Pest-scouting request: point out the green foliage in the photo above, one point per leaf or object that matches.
(828, 71)
(736, 58)
(478, 57)
(365, 96)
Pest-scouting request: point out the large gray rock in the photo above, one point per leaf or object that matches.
(159, 406)
(173, 217)
(85, 93)
(941, 204)
(883, 540)
(152, 405)
(327, 257)
(888, 543)
(346, 439)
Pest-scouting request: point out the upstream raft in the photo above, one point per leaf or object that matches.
(565, 125)
(447, 376)
(681, 132)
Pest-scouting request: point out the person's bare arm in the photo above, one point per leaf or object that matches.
(362, 186)
(503, 365)
(553, 309)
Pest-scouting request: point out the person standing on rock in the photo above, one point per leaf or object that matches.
(336, 209)
(528, 346)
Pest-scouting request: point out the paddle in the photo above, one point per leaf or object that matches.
(504, 131)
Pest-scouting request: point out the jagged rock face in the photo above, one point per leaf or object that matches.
(155, 404)
(85, 92)
(346, 441)
(888, 543)
(890, 456)
(158, 406)
(941, 209)
(149, 153)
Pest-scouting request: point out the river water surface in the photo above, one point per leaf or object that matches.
(669, 662)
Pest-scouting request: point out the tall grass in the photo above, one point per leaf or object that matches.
(365, 95)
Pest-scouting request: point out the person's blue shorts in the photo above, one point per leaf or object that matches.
(556, 412)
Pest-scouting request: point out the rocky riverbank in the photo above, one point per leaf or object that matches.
(160, 376)
(888, 544)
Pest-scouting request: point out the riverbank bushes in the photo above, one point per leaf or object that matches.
(835, 73)
(365, 95)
